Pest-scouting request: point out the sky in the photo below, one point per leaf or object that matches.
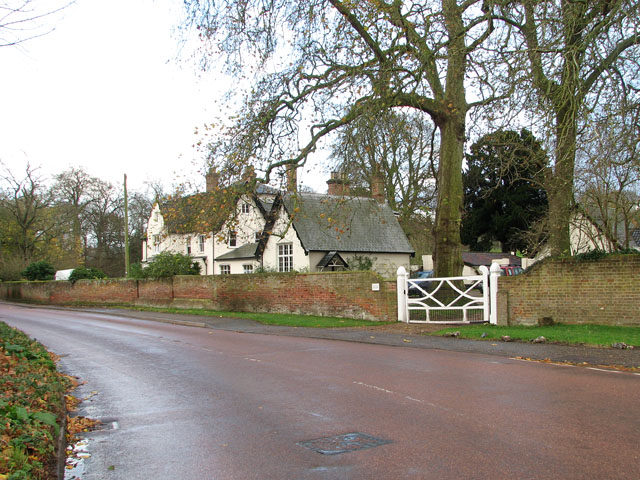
(110, 90)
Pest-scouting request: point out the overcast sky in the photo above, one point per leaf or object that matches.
(108, 90)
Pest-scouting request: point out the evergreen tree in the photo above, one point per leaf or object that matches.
(504, 191)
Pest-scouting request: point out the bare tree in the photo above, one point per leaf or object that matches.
(396, 147)
(322, 64)
(26, 202)
(105, 219)
(608, 172)
(395, 150)
(74, 192)
(23, 20)
(573, 52)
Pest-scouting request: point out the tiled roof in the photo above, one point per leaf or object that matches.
(247, 250)
(345, 224)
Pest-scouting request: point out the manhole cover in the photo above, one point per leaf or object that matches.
(347, 442)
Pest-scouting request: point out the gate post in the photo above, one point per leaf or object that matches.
(493, 287)
(401, 289)
(485, 293)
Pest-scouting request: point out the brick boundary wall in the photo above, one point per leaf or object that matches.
(339, 294)
(605, 291)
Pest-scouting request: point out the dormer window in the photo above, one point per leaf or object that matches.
(245, 207)
(232, 239)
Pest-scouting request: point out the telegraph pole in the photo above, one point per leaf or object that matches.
(126, 230)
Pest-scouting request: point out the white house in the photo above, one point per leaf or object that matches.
(280, 231)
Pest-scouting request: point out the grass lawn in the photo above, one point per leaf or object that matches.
(282, 319)
(602, 335)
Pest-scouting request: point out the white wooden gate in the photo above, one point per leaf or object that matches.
(470, 299)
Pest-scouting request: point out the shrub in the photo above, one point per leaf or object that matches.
(598, 254)
(86, 273)
(136, 271)
(167, 264)
(41, 270)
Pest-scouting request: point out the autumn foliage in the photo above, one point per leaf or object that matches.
(31, 402)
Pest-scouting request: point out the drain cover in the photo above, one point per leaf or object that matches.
(347, 442)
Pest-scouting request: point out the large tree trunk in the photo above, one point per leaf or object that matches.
(451, 123)
(447, 254)
(560, 188)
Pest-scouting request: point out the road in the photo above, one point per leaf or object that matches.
(192, 403)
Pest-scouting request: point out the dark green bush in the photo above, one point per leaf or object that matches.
(86, 273)
(41, 270)
(136, 271)
(165, 265)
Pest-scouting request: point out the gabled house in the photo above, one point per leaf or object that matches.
(588, 231)
(288, 231)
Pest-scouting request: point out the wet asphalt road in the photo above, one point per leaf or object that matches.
(194, 403)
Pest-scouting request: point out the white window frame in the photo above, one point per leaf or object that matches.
(248, 268)
(245, 207)
(257, 236)
(156, 244)
(225, 269)
(285, 257)
(188, 245)
(201, 242)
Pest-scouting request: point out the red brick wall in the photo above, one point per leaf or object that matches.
(109, 291)
(605, 291)
(341, 294)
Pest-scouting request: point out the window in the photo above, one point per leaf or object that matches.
(258, 236)
(156, 216)
(225, 269)
(245, 207)
(156, 243)
(201, 243)
(248, 268)
(232, 239)
(188, 245)
(285, 257)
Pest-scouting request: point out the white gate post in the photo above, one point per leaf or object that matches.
(493, 287)
(485, 292)
(401, 288)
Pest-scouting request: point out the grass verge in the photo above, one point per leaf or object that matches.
(282, 319)
(31, 400)
(599, 335)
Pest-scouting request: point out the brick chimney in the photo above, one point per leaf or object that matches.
(212, 178)
(337, 186)
(377, 188)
